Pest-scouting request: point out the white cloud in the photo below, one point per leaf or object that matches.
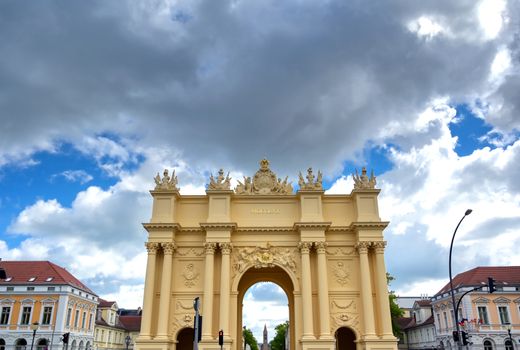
(426, 27)
(491, 17)
(80, 176)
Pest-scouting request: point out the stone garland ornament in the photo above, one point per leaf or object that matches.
(264, 182)
(310, 184)
(344, 315)
(221, 183)
(166, 183)
(364, 182)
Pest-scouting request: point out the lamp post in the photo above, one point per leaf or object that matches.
(510, 337)
(456, 312)
(127, 341)
(34, 328)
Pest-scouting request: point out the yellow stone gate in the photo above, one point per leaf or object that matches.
(325, 251)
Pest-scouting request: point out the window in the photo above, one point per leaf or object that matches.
(4, 316)
(504, 315)
(32, 279)
(102, 334)
(83, 320)
(30, 288)
(445, 319)
(69, 313)
(76, 319)
(10, 289)
(47, 312)
(482, 315)
(48, 279)
(50, 289)
(90, 322)
(439, 321)
(26, 315)
(8, 279)
(509, 345)
(488, 345)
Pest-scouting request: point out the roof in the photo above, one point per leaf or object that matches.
(44, 272)
(406, 302)
(131, 323)
(405, 322)
(105, 303)
(430, 320)
(479, 275)
(424, 302)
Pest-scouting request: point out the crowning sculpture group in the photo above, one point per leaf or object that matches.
(265, 182)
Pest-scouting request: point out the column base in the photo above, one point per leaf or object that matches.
(318, 344)
(377, 344)
(152, 344)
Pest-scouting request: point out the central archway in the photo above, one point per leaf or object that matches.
(268, 274)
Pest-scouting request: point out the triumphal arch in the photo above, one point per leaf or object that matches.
(325, 251)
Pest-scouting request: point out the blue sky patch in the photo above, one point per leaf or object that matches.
(470, 131)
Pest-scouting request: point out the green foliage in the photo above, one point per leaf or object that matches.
(278, 342)
(395, 310)
(250, 339)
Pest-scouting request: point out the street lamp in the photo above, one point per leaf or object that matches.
(510, 337)
(456, 312)
(34, 328)
(127, 341)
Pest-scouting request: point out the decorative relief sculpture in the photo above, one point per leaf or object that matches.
(363, 182)
(344, 313)
(264, 182)
(341, 273)
(166, 183)
(310, 184)
(340, 251)
(191, 275)
(221, 183)
(190, 252)
(263, 257)
(183, 315)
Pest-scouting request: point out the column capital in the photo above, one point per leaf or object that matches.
(305, 247)
(210, 247)
(168, 247)
(152, 247)
(379, 246)
(225, 248)
(362, 247)
(321, 247)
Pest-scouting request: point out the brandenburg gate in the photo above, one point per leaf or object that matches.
(325, 251)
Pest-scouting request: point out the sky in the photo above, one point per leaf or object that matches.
(97, 97)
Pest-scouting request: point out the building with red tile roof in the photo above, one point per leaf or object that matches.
(114, 331)
(492, 320)
(43, 294)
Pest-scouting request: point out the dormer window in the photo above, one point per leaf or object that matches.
(48, 279)
(8, 279)
(32, 279)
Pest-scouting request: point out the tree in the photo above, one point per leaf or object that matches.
(250, 339)
(278, 342)
(395, 310)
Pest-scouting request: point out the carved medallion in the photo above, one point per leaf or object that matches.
(191, 275)
(264, 182)
(341, 273)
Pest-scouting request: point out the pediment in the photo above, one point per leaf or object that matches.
(48, 301)
(28, 301)
(517, 301)
(481, 300)
(7, 301)
(502, 300)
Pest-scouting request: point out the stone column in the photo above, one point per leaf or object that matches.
(225, 249)
(323, 290)
(146, 326)
(366, 289)
(382, 290)
(166, 279)
(207, 305)
(308, 332)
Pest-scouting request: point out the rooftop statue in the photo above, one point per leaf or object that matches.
(363, 181)
(221, 183)
(166, 183)
(264, 182)
(311, 184)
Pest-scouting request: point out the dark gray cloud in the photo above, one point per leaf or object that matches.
(225, 83)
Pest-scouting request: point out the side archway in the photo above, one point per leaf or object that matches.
(275, 275)
(20, 344)
(345, 339)
(185, 339)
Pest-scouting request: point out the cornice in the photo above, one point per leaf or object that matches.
(219, 226)
(226, 192)
(161, 226)
(371, 225)
(365, 190)
(340, 228)
(312, 225)
(156, 192)
(265, 229)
